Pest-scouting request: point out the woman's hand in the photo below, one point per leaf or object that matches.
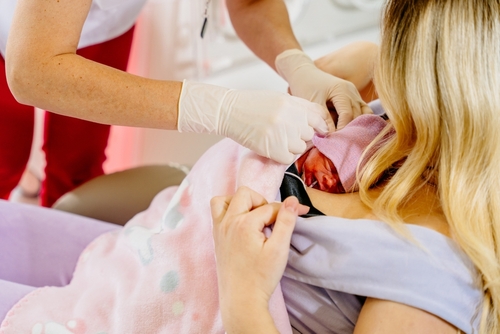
(249, 263)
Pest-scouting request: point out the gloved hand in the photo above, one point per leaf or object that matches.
(309, 82)
(274, 125)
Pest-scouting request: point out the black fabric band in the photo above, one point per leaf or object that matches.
(292, 185)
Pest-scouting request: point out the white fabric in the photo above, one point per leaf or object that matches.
(107, 19)
(377, 107)
(273, 124)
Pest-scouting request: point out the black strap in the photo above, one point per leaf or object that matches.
(292, 185)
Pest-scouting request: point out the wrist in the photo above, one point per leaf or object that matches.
(200, 107)
(289, 61)
(247, 315)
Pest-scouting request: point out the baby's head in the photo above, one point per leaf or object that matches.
(345, 147)
(317, 171)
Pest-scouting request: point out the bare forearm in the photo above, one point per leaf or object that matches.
(244, 315)
(43, 70)
(264, 26)
(71, 85)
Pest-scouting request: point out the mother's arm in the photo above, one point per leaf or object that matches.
(387, 317)
(43, 70)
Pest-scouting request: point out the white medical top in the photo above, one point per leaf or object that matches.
(107, 19)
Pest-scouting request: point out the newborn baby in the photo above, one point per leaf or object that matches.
(331, 164)
(319, 172)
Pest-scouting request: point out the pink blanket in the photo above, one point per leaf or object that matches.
(157, 275)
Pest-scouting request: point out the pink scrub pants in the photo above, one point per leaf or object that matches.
(74, 148)
(40, 247)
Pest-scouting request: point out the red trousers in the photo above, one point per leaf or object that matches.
(74, 148)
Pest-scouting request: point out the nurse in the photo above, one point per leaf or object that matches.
(74, 149)
(43, 69)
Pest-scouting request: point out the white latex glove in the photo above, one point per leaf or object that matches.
(273, 124)
(309, 82)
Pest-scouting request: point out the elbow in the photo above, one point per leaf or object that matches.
(20, 79)
(15, 82)
(18, 84)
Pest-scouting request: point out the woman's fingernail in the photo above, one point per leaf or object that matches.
(291, 206)
(303, 207)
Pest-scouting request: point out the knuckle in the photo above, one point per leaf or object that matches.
(243, 190)
(214, 201)
(275, 118)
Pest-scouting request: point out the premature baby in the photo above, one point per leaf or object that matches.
(331, 164)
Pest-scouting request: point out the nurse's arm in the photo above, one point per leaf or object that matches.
(43, 70)
(264, 26)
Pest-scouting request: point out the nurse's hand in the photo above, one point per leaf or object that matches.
(273, 124)
(249, 264)
(309, 82)
(355, 63)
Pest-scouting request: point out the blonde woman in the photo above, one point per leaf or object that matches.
(437, 76)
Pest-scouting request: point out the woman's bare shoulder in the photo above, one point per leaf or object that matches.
(340, 205)
(423, 209)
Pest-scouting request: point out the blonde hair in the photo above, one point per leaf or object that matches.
(438, 77)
